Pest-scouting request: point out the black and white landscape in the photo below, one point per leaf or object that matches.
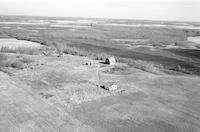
(90, 74)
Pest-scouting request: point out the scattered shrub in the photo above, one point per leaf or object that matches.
(11, 61)
(62, 48)
(16, 64)
(21, 50)
(178, 68)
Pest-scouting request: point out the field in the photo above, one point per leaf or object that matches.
(120, 38)
(48, 86)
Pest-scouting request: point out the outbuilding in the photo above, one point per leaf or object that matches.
(110, 61)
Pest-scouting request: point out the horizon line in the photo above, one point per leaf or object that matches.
(135, 19)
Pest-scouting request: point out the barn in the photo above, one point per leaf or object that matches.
(110, 61)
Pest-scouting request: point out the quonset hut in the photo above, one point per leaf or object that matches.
(110, 61)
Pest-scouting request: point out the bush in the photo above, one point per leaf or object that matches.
(17, 64)
(8, 61)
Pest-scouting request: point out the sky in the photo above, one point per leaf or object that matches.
(178, 10)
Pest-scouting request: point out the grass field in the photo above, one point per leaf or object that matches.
(42, 89)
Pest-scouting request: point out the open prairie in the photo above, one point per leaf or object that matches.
(162, 43)
(53, 75)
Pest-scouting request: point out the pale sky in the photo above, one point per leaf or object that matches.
(181, 10)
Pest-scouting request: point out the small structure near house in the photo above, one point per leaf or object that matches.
(110, 86)
(110, 61)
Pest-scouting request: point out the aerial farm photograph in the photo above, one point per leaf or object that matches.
(99, 65)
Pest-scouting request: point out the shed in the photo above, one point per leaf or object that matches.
(88, 63)
(110, 61)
